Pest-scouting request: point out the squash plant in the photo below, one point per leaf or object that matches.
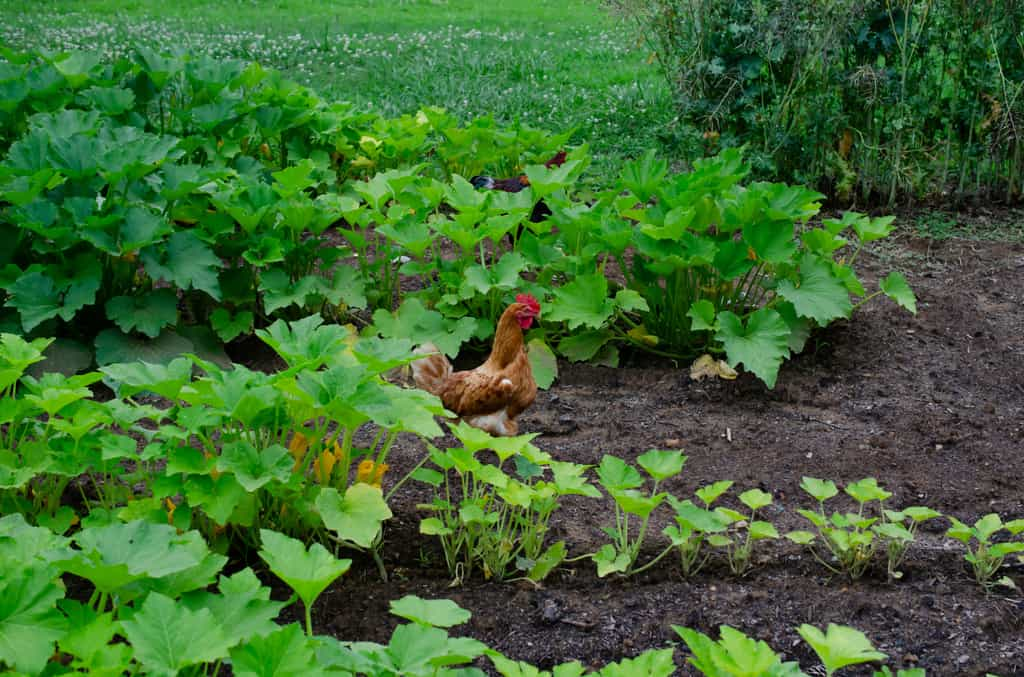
(158, 192)
(248, 450)
(720, 267)
(52, 431)
(495, 516)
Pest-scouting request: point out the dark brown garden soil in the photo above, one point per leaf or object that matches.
(932, 405)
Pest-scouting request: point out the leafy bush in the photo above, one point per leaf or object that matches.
(876, 99)
(716, 266)
(246, 450)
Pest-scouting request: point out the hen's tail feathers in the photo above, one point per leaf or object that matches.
(431, 372)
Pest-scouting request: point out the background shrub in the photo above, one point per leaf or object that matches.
(869, 100)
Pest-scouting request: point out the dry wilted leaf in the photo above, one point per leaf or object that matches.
(705, 366)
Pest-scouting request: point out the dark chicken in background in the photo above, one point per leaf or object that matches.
(540, 210)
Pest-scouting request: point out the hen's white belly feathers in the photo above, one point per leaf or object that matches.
(497, 424)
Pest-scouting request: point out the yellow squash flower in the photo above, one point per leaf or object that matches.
(323, 466)
(365, 471)
(371, 473)
(378, 475)
(297, 448)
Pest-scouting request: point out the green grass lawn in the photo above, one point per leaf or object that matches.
(556, 64)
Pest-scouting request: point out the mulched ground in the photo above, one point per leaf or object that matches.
(930, 405)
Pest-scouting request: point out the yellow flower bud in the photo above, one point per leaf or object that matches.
(214, 473)
(170, 510)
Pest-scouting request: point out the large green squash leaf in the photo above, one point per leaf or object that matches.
(30, 623)
(761, 344)
(168, 636)
(583, 302)
(819, 295)
(185, 261)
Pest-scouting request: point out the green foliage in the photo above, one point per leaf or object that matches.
(239, 198)
(737, 655)
(307, 572)
(731, 531)
(745, 530)
(29, 621)
(852, 538)
(285, 651)
(898, 530)
(168, 637)
(625, 485)
(440, 613)
(357, 516)
(694, 525)
(279, 450)
(496, 516)
(125, 560)
(734, 655)
(847, 536)
(153, 575)
(417, 648)
(206, 212)
(840, 646)
(867, 100)
(982, 552)
(716, 267)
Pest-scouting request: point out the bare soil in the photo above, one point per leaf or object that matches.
(931, 405)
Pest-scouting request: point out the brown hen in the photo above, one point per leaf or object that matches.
(491, 396)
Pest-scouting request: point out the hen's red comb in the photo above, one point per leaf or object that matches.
(528, 301)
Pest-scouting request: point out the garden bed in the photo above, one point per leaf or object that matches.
(931, 405)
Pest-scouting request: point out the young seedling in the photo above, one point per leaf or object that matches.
(740, 550)
(308, 573)
(847, 536)
(495, 516)
(987, 557)
(623, 482)
(420, 648)
(840, 646)
(694, 525)
(734, 655)
(898, 532)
